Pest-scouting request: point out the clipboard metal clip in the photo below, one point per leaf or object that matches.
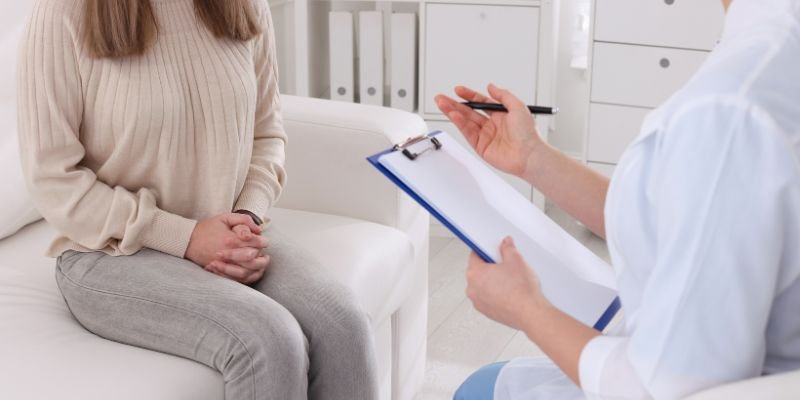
(412, 141)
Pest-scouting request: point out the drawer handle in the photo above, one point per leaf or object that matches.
(669, 2)
(664, 63)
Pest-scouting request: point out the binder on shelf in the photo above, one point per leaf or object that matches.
(370, 57)
(481, 209)
(404, 61)
(342, 64)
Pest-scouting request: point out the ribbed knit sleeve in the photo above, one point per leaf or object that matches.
(266, 176)
(69, 195)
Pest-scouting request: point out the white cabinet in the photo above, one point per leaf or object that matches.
(688, 24)
(640, 76)
(606, 170)
(611, 129)
(500, 46)
(643, 51)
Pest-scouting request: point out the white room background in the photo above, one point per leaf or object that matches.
(572, 88)
(572, 83)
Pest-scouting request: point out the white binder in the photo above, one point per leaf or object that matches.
(342, 57)
(404, 61)
(482, 209)
(370, 57)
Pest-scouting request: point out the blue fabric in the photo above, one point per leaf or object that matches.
(480, 385)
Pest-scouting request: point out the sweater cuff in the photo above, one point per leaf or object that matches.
(168, 233)
(256, 202)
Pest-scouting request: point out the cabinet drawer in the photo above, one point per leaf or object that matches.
(498, 44)
(689, 24)
(639, 75)
(611, 130)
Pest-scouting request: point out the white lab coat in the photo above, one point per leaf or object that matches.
(703, 226)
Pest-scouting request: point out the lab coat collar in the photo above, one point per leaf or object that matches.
(744, 15)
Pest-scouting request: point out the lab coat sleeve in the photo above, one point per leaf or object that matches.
(721, 190)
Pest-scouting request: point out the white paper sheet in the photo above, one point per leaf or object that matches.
(486, 209)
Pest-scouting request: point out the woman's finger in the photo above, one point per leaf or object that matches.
(469, 129)
(233, 219)
(238, 256)
(256, 264)
(254, 277)
(243, 232)
(232, 271)
(505, 97)
(233, 241)
(258, 242)
(448, 105)
(471, 95)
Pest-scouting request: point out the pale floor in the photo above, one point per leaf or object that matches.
(460, 340)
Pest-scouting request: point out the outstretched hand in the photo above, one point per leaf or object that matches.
(505, 140)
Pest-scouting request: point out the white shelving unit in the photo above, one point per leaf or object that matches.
(511, 43)
(642, 52)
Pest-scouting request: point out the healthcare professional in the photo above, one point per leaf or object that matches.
(702, 219)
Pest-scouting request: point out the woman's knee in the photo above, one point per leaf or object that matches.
(342, 309)
(270, 334)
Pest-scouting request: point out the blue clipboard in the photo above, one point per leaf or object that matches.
(601, 323)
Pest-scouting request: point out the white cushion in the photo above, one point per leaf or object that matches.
(785, 386)
(373, 260)
(45, 353)
(17, 209)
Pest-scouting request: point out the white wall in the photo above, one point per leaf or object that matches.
(572, 88)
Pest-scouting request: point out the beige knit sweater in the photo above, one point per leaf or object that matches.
(121, 154)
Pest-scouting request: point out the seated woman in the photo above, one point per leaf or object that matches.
(152, 140)
(702, 220)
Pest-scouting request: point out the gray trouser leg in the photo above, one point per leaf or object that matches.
(166, 304)
(340, 341)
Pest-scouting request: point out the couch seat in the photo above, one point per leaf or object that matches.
(55, 358)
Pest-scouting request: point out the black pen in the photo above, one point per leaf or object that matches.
(501, 108)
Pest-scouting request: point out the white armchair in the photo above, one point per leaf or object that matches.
(784, 386)
(370, 235)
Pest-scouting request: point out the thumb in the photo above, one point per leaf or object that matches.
(506, 98)
(508, 250)
(233, 219)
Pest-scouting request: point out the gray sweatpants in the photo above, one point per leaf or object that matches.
(296, 334)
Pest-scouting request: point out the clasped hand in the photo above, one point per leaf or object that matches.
(230, 245)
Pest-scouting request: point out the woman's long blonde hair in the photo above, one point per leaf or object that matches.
(119, 28)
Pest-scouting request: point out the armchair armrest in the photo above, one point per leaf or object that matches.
(326, 159)
(783, 386)
(328, 173)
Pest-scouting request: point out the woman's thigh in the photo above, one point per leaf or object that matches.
(299, 282)
(341, 347)
(167, 304)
